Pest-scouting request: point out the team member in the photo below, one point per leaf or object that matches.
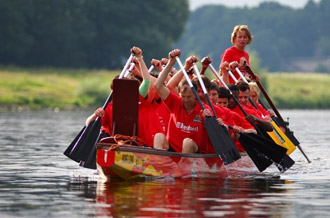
(255, 96)
(225, 116)
(149, 122)
(186, 132)
(253, 116)
(236, 56)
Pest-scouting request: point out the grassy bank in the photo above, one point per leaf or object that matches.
(299, 90)
(69, 89)
(54, 88)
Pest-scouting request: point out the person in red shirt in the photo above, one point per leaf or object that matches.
(224, 96)
(225, 116)
(186, 131)
(149, 123)
(106, 116)
(214, 93)
(255, 95)
(252, 115)
(236, 56)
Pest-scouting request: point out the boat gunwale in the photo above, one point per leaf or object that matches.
(150, 150)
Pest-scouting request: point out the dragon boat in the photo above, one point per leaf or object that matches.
(137, 162)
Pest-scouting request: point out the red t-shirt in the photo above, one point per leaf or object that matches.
(232, 118)
(106, 120)
(163, 113)
(149, 122)
(262, 110)
(183, 125)
(233, 54)
(247, 110)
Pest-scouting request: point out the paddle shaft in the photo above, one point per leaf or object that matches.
(248, 69)
(151, 68)
(204, 89)
(189, 82)
(225, 85)
(81, 137)
(221, 141)
(274, 151)
(245, 80)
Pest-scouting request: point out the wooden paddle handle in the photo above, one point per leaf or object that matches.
(248, 69)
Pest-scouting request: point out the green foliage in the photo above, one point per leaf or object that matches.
(54, 88)
(92, 34)
(92, 92)
(84, 89)
(321, 69)
(323, 46)
(256, 67)
(279, 32)
(299, 90)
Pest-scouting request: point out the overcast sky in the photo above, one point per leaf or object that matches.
(250, 3)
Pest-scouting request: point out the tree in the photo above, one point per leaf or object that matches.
(83, 33)
(280, 32)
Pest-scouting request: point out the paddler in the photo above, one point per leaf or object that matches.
(186, 132)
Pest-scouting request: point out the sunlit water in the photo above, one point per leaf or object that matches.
(37, 180)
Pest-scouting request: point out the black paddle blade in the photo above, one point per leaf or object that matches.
(285, 164)
(221, 141)
(260, 160)
(90, 163)
(286, 131)
(67, 152)
(266, 147)
(85, 146)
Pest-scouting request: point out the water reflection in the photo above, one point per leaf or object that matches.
(37, 180)
(232, 197)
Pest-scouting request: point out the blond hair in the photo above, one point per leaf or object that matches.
(242, 28)
(254, 87)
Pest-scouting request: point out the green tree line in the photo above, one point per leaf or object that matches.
(280, 32)
(87, 33)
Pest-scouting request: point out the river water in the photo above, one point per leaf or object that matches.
(37, 180)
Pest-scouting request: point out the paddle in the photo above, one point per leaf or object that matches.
(124, 117)
(229, 143)
(223, 147)
(279, 120)
(262, 152)
(82, 146)
(151, 68)
(279, 139)
(277, 135)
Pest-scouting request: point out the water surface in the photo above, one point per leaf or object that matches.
(37, 180)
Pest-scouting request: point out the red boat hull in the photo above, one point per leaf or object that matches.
(131, 162)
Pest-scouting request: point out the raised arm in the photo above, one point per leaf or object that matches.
(143, 67)
(162, 90)
(174, 81)
(205, 64)
(223, 72)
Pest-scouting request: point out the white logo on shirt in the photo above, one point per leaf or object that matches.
(186, 129)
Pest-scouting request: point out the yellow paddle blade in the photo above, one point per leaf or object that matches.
(281, 139)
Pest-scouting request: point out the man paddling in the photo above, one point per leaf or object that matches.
(225, 115)
(186, 132)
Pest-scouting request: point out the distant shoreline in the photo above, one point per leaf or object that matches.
(61, 89)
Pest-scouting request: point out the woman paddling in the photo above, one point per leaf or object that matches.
(236, 56)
